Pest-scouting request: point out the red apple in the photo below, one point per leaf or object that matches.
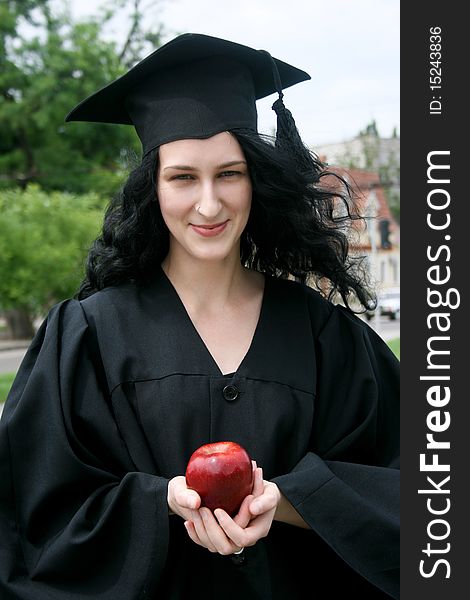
(222, 475)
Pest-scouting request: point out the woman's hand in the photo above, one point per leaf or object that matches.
(181, 500)
(218, 532)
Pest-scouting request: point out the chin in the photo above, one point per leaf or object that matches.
(211, 257)
(211, 250)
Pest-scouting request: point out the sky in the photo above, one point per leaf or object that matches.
(349, 47)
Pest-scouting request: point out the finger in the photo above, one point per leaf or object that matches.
(190, 499)
(231, 528)
(216, 534)
(266, 502)
(254, 467)
(189, 525)
(243, 517)
(201, 531)
(185, 497)
(258, 485)
(259, 526)
(261, 505)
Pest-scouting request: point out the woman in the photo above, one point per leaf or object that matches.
(186, 330)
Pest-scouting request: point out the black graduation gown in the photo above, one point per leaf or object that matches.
(116, 392)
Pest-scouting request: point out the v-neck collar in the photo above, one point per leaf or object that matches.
(242, 367)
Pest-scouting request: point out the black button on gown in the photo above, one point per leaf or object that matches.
(117, 391)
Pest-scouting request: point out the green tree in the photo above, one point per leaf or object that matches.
(43, 243)
(48, 63)
(46, 69)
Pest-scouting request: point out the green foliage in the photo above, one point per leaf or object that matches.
(49, 63)
(394, 345)
(44, 239)
(6, 381)
(46, 68)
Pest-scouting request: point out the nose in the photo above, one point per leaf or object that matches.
(209, 201)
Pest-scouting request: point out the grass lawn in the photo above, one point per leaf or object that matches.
(395, 346)
(6, 379)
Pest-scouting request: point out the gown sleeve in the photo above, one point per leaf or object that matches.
(77, 520)
(346, 488)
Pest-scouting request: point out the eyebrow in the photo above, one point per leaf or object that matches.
(222, 166)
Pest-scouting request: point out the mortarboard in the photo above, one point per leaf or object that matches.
(192, 87)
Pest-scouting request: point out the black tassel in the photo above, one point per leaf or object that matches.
(287, 135)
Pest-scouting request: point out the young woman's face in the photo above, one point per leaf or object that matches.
(204, 191)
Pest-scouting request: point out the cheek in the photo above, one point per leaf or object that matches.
(239, 197)
(171, 205)
(164, 204)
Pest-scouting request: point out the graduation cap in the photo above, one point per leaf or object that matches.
(195, 86)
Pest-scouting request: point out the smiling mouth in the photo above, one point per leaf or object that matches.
(209, 230)
(209, 227)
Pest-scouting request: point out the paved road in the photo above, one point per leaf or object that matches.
(10, 360)
(387, 329)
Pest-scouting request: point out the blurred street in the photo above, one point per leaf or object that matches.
(10, 359)
(11, 354)
(387, 329)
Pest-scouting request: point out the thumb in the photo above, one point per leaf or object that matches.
(190, 499)
(243, 516)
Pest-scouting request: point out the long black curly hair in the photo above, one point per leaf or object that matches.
(298, 226)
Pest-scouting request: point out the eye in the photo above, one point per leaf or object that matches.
(183, 177)
(230, 173)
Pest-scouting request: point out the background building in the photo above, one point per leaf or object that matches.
(370, 152)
